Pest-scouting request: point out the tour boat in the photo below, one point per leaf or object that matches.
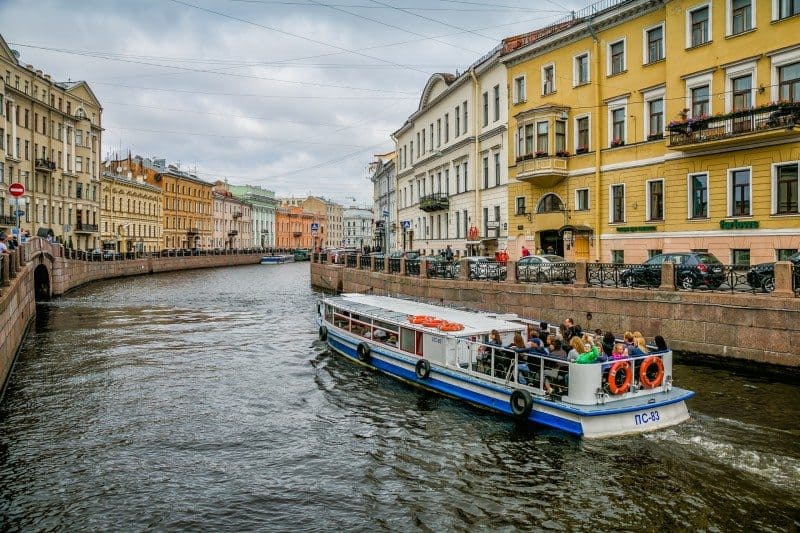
(446, 350)
(276, 259)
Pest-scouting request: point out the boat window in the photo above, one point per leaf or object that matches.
(328, 313)
(341, 321)
(407, 340)
(419, 344)
(360, 328)
(387, 326)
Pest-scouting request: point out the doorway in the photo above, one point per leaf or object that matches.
(551, 243)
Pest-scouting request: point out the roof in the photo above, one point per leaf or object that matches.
(398, 310)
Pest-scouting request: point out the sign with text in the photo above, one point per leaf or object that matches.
(16, 189)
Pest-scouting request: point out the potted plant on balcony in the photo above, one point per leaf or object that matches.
(562, 153)
(581, 149)
(541, 153)
(616, 141)
(655, 136)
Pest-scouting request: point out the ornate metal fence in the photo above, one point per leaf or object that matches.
(546, 273)
(412, 267)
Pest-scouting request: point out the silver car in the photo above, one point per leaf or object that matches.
(543, 269)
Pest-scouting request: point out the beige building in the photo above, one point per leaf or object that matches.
(334, 234)
(130, 213)
(50, 135)
(233, 220)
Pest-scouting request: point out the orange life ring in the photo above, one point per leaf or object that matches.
(419, 319)
(433, 322)
(451, 326)
(612, 377)
(645, 372)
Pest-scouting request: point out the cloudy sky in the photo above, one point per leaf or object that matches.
(293, 95)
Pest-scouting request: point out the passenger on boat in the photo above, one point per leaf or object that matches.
(518, 343)
(569, 329)
(531, 332)
(639, 348)
(558, 350)
(576, 343)
(392, 339)
(535, 346)
(590, 351)
(661, 344)
(607, 344)
(544, 331)
(494, 338)
(627, 340)
(620, 352)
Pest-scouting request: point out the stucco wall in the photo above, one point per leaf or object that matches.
(756, 327)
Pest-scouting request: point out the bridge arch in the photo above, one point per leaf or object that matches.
(41, 283)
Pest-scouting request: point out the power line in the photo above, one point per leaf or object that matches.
(403, 10)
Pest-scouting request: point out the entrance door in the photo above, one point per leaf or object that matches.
(551, 243)
(580, 244)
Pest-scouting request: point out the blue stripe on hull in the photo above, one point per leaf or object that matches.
(448, 389)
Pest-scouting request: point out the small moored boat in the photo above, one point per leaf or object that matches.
(446, 350)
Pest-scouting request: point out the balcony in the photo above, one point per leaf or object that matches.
(193, 231)
(86, 228)
(297, 234)
(237, 214)
(434, 202)
(763, 124)
(45, 165)
(7, 220)
(544, 170)
(233, 233)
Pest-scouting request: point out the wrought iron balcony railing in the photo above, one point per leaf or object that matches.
(434, 202)
(733, 125)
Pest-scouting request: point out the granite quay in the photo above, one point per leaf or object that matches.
(39, 270)
(726, 321)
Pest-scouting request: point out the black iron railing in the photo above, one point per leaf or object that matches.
(351, 260)
(443, 270)
(365, 262)
(735, 124)
(546, 273)
(434, 202)
(412, 267)
(394, 265)
(379, 264)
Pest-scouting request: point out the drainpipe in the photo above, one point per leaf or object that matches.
(597, 133)
(476, 166)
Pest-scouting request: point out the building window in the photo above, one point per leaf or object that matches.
(655, 114)
(741, 16)
(497, 169)
(520, 202)
(783, 254)
(616, 54)
(618, 257)
(519, 89)
(739, 192)
(529, 138)
(542, 135)
(700, 101)
(457, 130)
(485, 172)
(617, 204)
(789, 81)
(438, 132)
(653, 253)
(582, 200)
(582, 131)
(740, 257)
(699, 26)
(788, 8)
(486, 108)
(550, 203)
(548, 79)
(446, 128)
(698, 196)
(466, 120)
(617, 127)
(742, 88)
(786, 189)
(581, 73)
(561, 137)
(655, 44)
(655, 201)
(496, 90)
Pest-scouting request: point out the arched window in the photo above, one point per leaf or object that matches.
(550, 203)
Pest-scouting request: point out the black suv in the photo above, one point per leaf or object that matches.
(762, 276)
(693, 269)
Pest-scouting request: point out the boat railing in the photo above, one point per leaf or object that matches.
(584, 384)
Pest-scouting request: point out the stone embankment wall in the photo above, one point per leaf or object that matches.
(755, 327)
(57, 275)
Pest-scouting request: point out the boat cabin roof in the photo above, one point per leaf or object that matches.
(398, 310)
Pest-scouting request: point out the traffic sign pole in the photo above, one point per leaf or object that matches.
(16, 190)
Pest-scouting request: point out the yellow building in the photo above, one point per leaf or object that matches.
(186, 203)
(50, 138)
(130, 213)
(652, 125)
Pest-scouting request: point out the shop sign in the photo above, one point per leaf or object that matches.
(636, 229)
(738, 224)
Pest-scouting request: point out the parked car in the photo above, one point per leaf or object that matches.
(482, 268)
(542, 268)
(693, 269)
(762, 276)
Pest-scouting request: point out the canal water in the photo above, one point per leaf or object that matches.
(202, 400)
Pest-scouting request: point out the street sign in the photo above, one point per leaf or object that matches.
(314, 226)
(16, 189)
(406, 224)
(313, 233)
(386, 214)
(19, 213)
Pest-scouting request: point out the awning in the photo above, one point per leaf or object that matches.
(44, 232)
(576, 230)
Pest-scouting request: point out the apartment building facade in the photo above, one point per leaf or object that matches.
(359, 226)
(648, 126)
(233, 219)
(50, 139)
(301, 222)
(130, 213)
(451, 165)
(263, 204)
(334, 234)
(384, 180)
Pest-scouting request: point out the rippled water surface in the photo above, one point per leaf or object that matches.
(202, 400)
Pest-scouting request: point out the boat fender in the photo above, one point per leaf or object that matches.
(614, 385)
(363, 352)
(651, 373)
(423, 369)
(323, 333)
(521, 403)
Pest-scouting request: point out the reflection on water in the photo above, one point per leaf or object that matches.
(202, 400)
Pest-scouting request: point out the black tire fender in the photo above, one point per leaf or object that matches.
(323, 333)
(423, 369)
(521, 403)
(363, 352)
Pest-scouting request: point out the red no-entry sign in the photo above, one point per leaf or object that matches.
(16, 189)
